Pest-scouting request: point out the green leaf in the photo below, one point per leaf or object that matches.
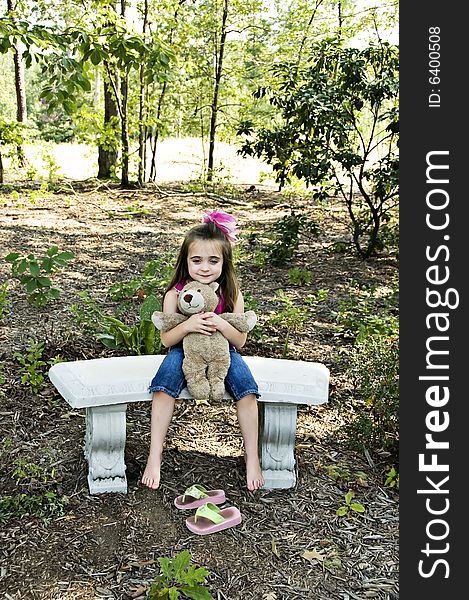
(53, 293)
(47, 264)
(44, 281)
(21, 266)
(34, 269)
(166, 567)
(108, 340)
(31, 285)
(341, 511)
(65, 255)
(53, 250)
(196, 592)
(11, 257)
(95, 56)
(149, 305)
(357, 507)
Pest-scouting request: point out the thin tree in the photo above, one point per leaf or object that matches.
(107, 150)
(21, 114)
(219, 55)
(124, 116)
(142, 129)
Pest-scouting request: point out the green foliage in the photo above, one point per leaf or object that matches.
(28, 473)
(36, 195)
(88, 314)
(33, 366)
(297, 276)
(339, 116)
(374, 372)
(52, 167)
(140, 338)
(178, 579)
(155, 277)
(392, 479)
(11, 137)
(361, 314)
(4, 296)
(292, 317)
(45, 506)
(11, 133)
(349, 507)
(250, 302)
(285, 237)
(342, 474)
(32, 273)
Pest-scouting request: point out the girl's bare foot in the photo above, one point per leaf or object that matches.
(254, 478)
(151, 475)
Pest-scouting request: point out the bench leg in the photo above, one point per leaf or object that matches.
(104, 448)
(278, 430)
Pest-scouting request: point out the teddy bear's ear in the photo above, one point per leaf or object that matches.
(214, 285)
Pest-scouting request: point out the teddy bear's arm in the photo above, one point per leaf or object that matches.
(167, 321)
(243, 322)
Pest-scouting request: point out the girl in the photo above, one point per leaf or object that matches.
(205, 256)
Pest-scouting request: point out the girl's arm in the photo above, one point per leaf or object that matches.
(235, 337)
(195, 323)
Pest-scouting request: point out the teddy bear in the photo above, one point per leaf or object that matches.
(206, 358)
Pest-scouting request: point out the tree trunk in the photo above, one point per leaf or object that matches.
(107, 157)
(157, 132)
(21, 115)
(124, 126)
(1, 168)
(142, 129)
(214, 107)
(124, 130)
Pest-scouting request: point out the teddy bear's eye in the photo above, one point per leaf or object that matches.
(198, 289)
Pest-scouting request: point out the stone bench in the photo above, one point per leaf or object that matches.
(104, 387)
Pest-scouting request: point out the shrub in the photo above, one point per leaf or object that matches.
(285, 237)
(361, 315)
(33, 366)
(140, 338)
(44, 506)
(178, 577)
(375, 373)
(292, 317)
(32, 273)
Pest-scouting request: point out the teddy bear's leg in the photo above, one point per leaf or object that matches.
(216, 374)
(195, 371)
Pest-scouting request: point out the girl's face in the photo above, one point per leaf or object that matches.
(205, 261)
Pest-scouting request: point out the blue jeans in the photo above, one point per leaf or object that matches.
(170, 378)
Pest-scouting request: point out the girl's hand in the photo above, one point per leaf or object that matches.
(200, 323)
(215, 320)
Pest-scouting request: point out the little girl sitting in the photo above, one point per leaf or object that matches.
(205, 256)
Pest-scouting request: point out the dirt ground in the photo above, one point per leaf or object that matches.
(290, 543)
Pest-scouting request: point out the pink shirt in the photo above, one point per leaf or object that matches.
(220, 307)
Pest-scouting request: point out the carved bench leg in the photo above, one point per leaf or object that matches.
(278, 430)
(104, 448)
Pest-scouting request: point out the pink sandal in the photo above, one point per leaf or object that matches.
(196, 496)
(209, 518)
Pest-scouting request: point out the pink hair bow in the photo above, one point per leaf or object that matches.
(224, 222)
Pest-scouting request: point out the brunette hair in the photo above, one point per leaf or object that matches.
(228, 280)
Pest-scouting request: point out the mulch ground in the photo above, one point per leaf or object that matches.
(290, 543)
